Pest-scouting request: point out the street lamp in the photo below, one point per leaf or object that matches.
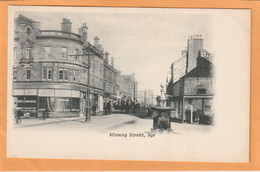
(88, 88)
(86, 51)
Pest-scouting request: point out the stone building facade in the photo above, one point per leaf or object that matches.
(194, 92)
(110, 82)
(124, 93)
(191, 88)
(50, 70)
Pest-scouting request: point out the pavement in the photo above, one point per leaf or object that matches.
(106, 123)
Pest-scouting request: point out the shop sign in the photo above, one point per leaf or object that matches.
(75, 94)
(46, 92)
(62, 93)
(18, 92)
(30, 92)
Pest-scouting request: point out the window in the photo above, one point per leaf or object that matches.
(64, 53)
(74, 75)
(49, 73)
(97, 65)
(66, 78)
(28, 52)
(94, 65)
(60, 74)
(14, 74)
(44, 73)
(47, 52)
(28, 73)
(15, 52)
(201, 91)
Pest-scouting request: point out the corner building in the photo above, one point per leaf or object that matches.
(50, 70)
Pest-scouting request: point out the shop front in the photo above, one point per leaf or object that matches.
(53, 102)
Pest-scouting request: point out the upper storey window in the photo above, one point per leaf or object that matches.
(63, 53)
(28, 73)
(47, 52)
(28, 52)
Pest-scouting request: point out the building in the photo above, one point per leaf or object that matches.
(50, 69)
(191, 91)
(110, 81)
(128, 89)
(146, 98)
(187, 61)
(124, 93)
(132, 84)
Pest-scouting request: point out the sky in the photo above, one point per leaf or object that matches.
(144, 41)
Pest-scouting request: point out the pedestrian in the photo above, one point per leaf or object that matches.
(19, 116)
(94, 109)
(122, 106)
(109, 107)
(45, 113)
(127, 107)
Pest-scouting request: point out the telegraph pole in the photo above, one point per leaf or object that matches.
(88, 88)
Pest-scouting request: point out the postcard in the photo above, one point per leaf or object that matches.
(119, 83)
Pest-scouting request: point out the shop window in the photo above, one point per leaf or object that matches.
(47, 52)
(201, 91)
(63, 104)
(63, 53)
(28, 73)
(75, 104)
(61, 74)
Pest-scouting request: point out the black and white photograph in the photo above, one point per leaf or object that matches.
(118, 83)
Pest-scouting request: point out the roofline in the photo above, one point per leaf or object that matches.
(28, 19)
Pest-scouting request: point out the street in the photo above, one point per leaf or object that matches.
(114, 136)
(104, 124)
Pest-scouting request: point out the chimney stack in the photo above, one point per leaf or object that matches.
(112, 61)
(83, 32)
(96, 41)
(106, 57)
(66, 25)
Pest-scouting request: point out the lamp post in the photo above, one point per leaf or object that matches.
(88, 88)
(86, 51)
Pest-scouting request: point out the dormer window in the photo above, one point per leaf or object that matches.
(29, 31)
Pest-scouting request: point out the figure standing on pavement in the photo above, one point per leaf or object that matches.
(94, 109)
(45, 113)
(109, 107)
(127, 107)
